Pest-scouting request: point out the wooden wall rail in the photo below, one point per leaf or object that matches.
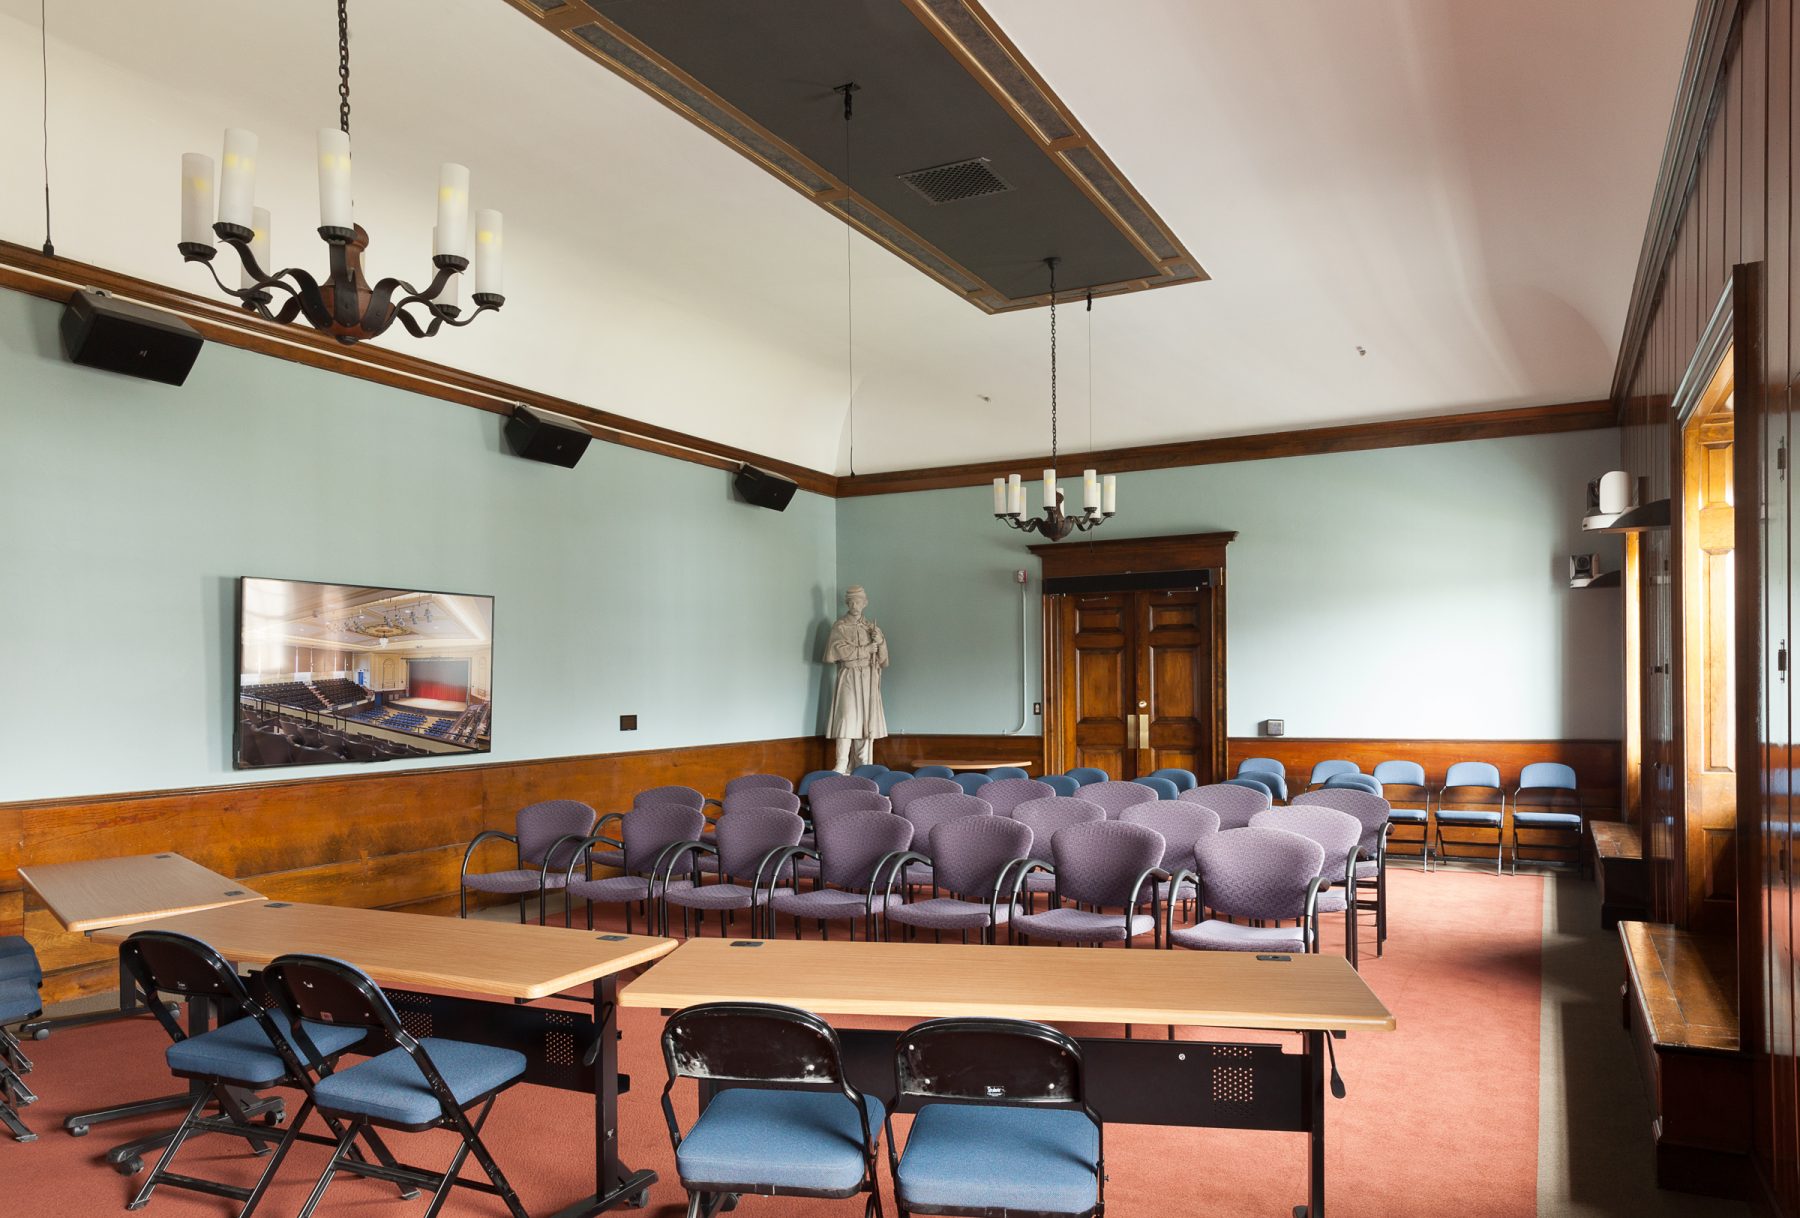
(384, 840)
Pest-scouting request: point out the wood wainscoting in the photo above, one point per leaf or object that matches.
(384, 839)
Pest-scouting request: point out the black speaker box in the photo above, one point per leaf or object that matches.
(103, 332)
(542, 437)
(764, 489)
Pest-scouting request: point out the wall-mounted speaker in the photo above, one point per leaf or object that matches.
(764, 489)
(118, 336)
(539, 436)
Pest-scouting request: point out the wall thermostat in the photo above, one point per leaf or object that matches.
(1274, 727)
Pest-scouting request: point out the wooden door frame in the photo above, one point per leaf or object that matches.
(1745, 292)
(1122, 565)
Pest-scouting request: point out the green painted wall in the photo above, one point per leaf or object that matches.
(1409, 592)
(632, 584)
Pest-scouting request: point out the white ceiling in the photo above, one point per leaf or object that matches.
(1458, 187)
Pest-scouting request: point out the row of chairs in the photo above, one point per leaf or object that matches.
(1167, 783)
(1471, 799)
(20, 978)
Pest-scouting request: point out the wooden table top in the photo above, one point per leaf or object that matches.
(95, 893)
(972, 766)
(927, 980)
(498, 959)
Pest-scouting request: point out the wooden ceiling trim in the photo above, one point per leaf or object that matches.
(1354, 437)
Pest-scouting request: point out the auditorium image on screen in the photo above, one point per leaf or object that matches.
(331, 673)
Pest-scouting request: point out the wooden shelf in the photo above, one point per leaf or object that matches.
(1606, 579)
(1652, 515)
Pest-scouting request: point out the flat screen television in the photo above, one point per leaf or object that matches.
(331, 673)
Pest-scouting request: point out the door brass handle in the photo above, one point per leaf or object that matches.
(1131, 723)
(1143, 731)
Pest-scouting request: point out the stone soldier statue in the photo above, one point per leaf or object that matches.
(859, 650)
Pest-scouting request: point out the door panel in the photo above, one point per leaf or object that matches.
(1098, 646)
(1174, 679)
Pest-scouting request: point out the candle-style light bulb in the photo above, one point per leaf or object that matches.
(1049, 488)
(452, 210)
(196, 199)
(1090, 491)
(1109, 494)
(489, 279)
(1015, 496)
(999, 496)
(335, 209)
(237, 178)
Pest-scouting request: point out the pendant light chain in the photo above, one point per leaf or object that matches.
(344, 66)
(849, 90)
(1053, 437)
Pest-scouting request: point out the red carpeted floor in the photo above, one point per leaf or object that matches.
(1441, 1116)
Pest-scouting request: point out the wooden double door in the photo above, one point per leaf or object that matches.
(1136, 681)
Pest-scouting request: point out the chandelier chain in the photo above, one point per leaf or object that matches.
(344, 66)
(1053, 437)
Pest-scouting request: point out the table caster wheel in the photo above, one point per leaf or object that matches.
(78, 1131)
(731, 1200)
(638, 1200)
(40, 1033)
(129, 1167)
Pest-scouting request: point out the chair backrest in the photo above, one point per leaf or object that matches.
(928, 812)
(968, 853)
(1097, 863)
(1339, 833)
(987, 1061)
(1473, 774)
(320, 989)
(1400, 774)
(745, 782)
(935, 771)
(851, 843)
(162, 962)
(1547, 776)
(686, 796)
(762, 797)
(1330, 769)
(810, 777)
(1184, 780)
(1008, 771)
(1005, 794)
(885, 783)
(872, 770)
(1062, 784)
(903, 793)
(1370, 810)
(971, 783)
(1084, 774)
(745, 835)
(1255, 782)
(1115, 797)
(541, 824)
(1052, 813)
(650, 829)
(1235, 802)
(1261, 765)
(832, 783)
(1165, 788)
(1180, 824)
(1257, 872)
(1355, 782)
(824, 807)
(754, 1042)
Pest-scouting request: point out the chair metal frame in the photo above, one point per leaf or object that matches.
(1499, 829)
(1579, 832)
(1154, 876)
(896, 863)
(1420, 791)
(1308, 916)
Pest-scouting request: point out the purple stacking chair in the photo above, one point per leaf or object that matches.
(1339, 834)
(1235, 802)
(935, 771)
(851, 848)
(677, 796)
(744, 843)
(1061, 784)
(1260, 875)
(544, 836)
(903, 793)
(1375, 814)
(971, 783)
(646, 836)
(1182, 826)
(748, 781)
(1115, 797)
(1005, 794)
(970, 858)
(1048, 815)
(826, 806)
(1102, 865)
(1165, 788)
(761, 797)
(926, 814)
(831, 782)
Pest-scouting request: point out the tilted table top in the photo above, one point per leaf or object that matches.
(93, 893)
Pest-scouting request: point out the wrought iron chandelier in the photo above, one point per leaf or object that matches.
(1099, 496)
(346, 306)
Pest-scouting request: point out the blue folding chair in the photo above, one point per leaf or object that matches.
(1272, 772)
(1256, 782)
(1467, 786)
(1355, 782)
(1552, 785)
(1406, 780)
(1324, 771)
(20, 977)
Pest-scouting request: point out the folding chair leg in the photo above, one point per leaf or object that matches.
(19, 1130)
(448, 1182)
(331, 1167)
(274, 1164)
(11, 1083)
(167, 1158)
(494, 1173)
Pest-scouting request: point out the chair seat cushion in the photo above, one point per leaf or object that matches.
(19, 1000)
(1407, 816)
(828, 903)
(707, 896)
(1001, 1160)
(608, 858)
(391, 1088)
(809, 1140)
(617, 888)
(1368, 869)
(241, 1052)
(1547, 820)
(1218, 935)
(1069, 925)
(1454, 816)
(521, 880)
(947, 913)
(1332, 900)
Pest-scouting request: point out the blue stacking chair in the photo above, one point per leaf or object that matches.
(872, 770)
(1184, 780)
(1008, 771)
(1271, 771)
(1406, 780)
(1001, 1123)
(409, 1085)
(1165, 788)
(20, 977)
(1256, 782)
(817, 1136)
(1355, 781)
(1324, 771)
(807, 782)
(1473, 783)
(1552, 785)
(934, 771)
(1085, 774)
(887, 780)
(970, 783)
(1062, 784)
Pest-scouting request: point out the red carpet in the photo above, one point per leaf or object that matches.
(1441, 1115)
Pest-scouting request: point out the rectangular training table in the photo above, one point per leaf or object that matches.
(508, 965)
(1232, 1085)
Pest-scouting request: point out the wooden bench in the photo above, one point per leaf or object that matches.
(1619, 868)
(1680, 1006)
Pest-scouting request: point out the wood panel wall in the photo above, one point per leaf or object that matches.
(382, 839)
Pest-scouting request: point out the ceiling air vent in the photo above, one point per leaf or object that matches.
(968, 179)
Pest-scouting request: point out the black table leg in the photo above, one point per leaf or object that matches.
(1313, 1104)
(129, 1008)
(614, 1183)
